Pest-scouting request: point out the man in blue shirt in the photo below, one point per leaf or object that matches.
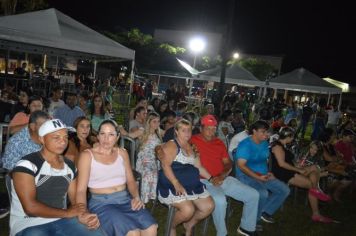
(70, 111)
(251, 169)
(25, 141)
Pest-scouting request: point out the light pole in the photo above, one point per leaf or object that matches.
(196, 45)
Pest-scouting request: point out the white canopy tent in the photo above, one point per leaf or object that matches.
(234, 74)
(306, 81)
(53, 33)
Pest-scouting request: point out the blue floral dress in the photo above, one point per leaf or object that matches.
(148, 166)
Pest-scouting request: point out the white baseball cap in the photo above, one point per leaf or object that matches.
(51, 126)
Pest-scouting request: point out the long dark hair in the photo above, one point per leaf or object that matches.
(92, 106)
(75, 138)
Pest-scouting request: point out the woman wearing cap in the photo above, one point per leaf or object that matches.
(179, 181)
(106, 171)
(304, 177)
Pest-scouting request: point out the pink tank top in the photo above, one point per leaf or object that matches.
(105, 176)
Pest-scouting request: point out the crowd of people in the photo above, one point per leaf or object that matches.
(70, 176)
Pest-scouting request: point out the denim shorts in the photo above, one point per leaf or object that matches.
(115, 213)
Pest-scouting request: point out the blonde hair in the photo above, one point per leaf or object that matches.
(182, 122)
(146, 133)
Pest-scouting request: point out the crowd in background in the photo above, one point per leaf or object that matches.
(188, 156)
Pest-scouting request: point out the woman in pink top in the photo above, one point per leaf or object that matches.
(21, 119)
(106, 171)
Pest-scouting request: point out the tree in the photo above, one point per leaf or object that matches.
(258, 67)
(149, 54)
(10, 7)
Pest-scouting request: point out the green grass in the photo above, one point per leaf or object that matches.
(293, 219)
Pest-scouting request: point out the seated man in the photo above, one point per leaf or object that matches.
(41, 182)
(25, 141)
(215, 159)
(252, 156)
(70, 111)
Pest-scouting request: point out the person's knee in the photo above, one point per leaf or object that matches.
(152, 230)
(263, 195)
(220, 202)
(209, 206)
(187, 211)
(252, 195)
(33, 231)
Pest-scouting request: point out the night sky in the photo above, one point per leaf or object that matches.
(317, 35)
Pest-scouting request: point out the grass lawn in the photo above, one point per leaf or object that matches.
(293, 219)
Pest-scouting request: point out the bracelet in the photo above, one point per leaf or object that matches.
(174, 181)
(211, 177)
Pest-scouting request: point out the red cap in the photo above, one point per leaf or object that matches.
(208, 120)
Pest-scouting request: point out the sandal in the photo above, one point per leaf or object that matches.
(319, 194)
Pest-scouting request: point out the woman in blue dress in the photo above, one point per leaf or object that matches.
(179, 180)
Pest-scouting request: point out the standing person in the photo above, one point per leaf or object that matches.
(105, 170)
(215, 159)
(303, 176)
(97, 112)
(147, 164)
(251, 157)
(171, 92)
(179, 182)
(319, 123)
(225, 126)
(307, 113)
(70, 111)
(334, 116)
(41, 182)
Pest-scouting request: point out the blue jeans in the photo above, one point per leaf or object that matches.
(233, 188)
(272, 193)
(62, 227)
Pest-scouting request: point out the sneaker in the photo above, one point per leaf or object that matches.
(245, 232)
(259, 227)
(267, 218)
(322, 219)
(319, 194)
(4, 212)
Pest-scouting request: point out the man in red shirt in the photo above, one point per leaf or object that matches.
(215, 158)
(344, 146)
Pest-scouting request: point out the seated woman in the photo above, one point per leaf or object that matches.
(106, 171)
(147, 164)
(179, 181)
(304, 177)
(21, 119)
(80, 140)
(334, 164)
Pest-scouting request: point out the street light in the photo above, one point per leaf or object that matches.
(197, 45)
(236, 55)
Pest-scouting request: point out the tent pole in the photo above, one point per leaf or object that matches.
(94, 72)
(56, 66)
(340, 101)
(328, 99)
(158, 80)
(7, 56)
(132, 76)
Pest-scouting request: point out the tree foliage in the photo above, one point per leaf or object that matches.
(149, 54)
(258, 67)
(10, 7)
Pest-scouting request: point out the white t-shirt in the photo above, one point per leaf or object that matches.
(234, 143)
(54, 105)
(333, 117)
